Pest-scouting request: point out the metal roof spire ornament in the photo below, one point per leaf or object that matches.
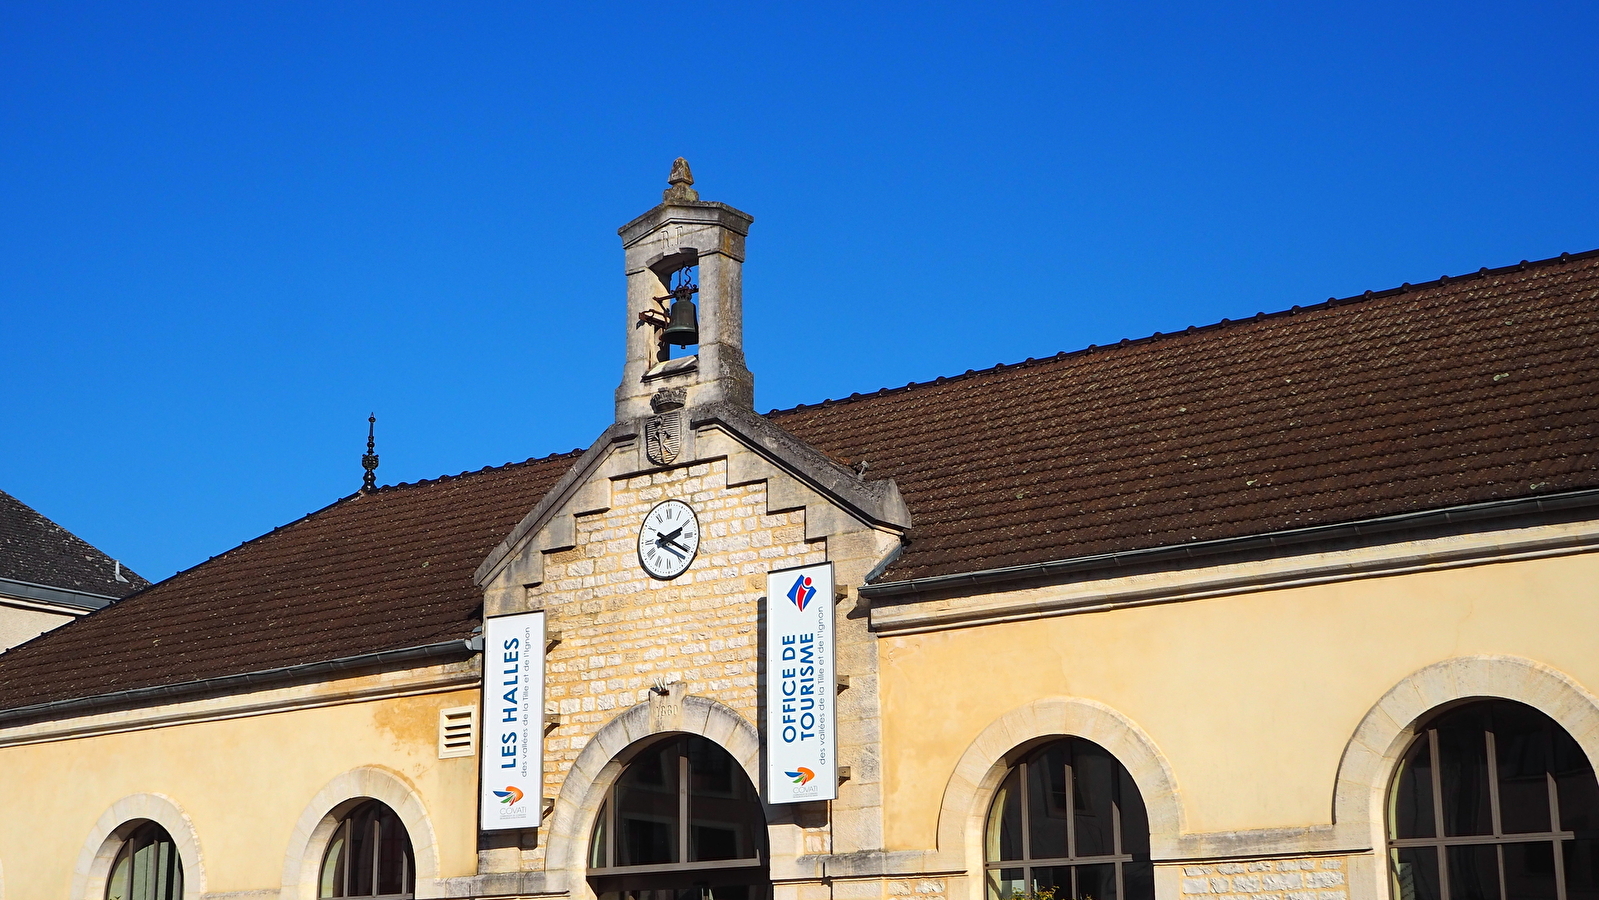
(369, 462)
(680, 180)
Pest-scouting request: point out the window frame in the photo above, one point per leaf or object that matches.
(148, 833)
(340, 839)
(1120, 855)
(605, 825)
(1498, 838)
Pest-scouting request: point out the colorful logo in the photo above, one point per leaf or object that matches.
(510, 796)
(802, 592)
(804, 774)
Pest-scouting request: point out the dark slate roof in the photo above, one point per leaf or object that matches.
(379, 571)
(1464, 390)
(35, 550)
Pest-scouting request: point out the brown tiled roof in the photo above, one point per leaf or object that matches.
(379, 571)
(1463, 390)
(35, 550)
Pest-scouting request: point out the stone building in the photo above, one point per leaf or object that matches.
(1298, 607)
(50, 576)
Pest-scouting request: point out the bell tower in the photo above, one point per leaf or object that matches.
(684, 261)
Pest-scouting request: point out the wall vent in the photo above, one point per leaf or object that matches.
(457, 731)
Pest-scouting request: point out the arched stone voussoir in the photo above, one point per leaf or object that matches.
(977, 774)
(343, 792)
(600, 763)
(1374, 749)
(113, 827)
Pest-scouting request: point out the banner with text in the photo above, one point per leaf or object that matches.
(801, 741)
(512, 747)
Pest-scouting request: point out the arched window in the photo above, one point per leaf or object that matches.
(1068, 818)
(147, 867)
(369, 856)
(1495, 801)
(682, 816)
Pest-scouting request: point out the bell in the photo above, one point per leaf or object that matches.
(683, 326)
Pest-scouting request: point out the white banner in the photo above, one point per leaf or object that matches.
(801, 739)
(512, 744)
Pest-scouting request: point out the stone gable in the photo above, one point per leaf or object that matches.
(623, 632)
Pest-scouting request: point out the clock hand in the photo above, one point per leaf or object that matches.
(667, 543)
(668, 549)
(672, 536)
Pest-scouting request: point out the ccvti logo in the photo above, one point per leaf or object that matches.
(802, 775)
(802, 592)
(511, 796)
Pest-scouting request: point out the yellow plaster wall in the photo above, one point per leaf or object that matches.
(1251, 698)
(243, 782)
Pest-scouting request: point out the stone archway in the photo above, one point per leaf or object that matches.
(315, 828)
(971, 787)
(584, 789)
(1380, 740)
(113, 827)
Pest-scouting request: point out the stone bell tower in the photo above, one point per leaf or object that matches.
(684, 251)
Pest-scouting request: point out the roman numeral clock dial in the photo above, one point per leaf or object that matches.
(668, 539)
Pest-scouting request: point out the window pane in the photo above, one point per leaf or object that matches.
(1530, 871)
(1135, 822)
(1579, 792)
(1410, 807)
(1463, 758)
(646, 809)
(1416, 874)
(1521, 738)
(120, 887)
(361, 847)
(1057, 878)
(720, 803)
(1582, 869)
(394, 855)
(331, 884)
(1005, 820)
(1094, 781)
(597, 858)
(1046, 803)
(143, 868)
(1138, 880)
(1473, 872)
(1098, 882)
(1004, 884)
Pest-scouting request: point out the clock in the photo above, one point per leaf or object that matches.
(668, 539)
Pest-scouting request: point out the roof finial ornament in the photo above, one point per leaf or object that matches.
(369, 462)
(680, 179)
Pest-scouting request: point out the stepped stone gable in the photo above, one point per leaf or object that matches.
(765, 502)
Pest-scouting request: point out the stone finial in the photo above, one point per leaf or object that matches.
(680, 179)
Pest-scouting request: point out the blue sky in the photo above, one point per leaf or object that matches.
(228, 232)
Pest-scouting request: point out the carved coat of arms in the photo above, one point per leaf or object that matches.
(663, 438)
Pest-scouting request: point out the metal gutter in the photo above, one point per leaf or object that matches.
(426, 654)
(27, 590)
(1450, 515)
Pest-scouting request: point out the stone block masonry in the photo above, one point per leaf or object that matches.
(1323, 878)
(623, 632)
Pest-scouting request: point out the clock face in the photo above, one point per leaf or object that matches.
(668, 539)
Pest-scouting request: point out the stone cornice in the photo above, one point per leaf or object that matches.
(429, 679)
(1096, 594)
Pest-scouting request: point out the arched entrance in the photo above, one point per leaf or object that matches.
(682, 822)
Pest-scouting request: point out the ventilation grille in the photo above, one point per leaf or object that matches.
(457, 731)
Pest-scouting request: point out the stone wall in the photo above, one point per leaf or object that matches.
(1322, 878)
(618, 633)
(623, 632)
